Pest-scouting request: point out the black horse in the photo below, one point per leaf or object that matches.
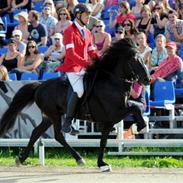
(108, 84)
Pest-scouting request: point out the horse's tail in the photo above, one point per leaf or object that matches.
(21, 99)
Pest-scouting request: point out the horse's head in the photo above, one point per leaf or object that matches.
(121, 60)
(132, 64)
(138, 70)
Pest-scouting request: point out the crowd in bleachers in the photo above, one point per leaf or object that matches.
(32, 31)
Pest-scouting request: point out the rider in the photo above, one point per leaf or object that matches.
(79, 48)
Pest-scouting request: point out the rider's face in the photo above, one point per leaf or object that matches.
(85, 17)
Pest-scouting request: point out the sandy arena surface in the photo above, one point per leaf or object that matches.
(30, 174)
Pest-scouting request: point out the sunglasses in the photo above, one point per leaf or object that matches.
(31, 46)
(62, 14)
(99, 26)
(16, 35)
(158, 8)
(119, 32)
(46, 8)
(57, 39)
(129, 25)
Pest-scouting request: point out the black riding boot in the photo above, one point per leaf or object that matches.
(71, 108)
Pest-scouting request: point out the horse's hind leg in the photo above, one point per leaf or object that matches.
(36, 133)
(105, 133)
(61, 139)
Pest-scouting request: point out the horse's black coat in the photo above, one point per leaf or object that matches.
(111, 78)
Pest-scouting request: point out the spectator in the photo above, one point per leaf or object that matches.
(5, 6)
(12, 59)
(180, 12)
(159, 53)
(48, 21)
(130, 30)
(3, 73)
(171, 68)
(166, 5)
(159, 19)
(22, 17)
(3, 40)
(96, 7)
(37, 31)
(144, 23)
(144, 49)
(58, 4)
(137, 96)
(101, 39)
(31, 61)
(119, 34)
(70, 4)
(17, 36)
(178, 3)
(109, 3)
(124, 13)
(138, 99)
(50, 3)
(136, 10)
(23, 4)
(64, 21)
(55, 53)
(174, 28)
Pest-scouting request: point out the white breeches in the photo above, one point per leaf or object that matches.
(76, 81)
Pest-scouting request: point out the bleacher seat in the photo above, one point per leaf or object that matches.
(164, 94)
(29, 76)
(50, 75)
(12, 76)
(42, 49)
(38, 6)
(3, 51)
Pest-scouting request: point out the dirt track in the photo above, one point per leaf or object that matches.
(29, 174)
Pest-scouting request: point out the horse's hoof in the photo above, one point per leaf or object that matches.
(81, 162)
(106, 168)
(17, 161)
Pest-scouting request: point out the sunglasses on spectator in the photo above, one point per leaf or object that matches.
(158, 8)
(99, 26)
(62, 14)
(16, 35)
(46, 8)
(31, 46)
(57, 39)
(119, 32)
(129, 25)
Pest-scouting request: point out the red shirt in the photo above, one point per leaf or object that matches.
(78, 50)
(121, 18)
(167, 67)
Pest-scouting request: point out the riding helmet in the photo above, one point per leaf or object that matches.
(81, 8)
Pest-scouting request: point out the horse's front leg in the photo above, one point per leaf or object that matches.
(105, 133)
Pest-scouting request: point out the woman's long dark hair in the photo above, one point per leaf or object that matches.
(27, 53)
(133, 29)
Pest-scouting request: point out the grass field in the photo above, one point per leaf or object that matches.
(58, 157)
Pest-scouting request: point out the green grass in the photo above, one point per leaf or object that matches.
(58, 157)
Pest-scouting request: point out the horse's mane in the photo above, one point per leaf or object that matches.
(124, 48)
